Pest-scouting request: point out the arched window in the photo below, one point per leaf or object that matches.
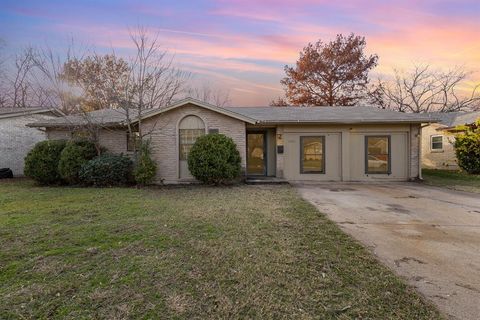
(189, 129)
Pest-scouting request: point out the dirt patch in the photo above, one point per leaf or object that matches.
(408, 260)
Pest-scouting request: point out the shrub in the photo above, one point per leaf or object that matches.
(75, 154)
(467, 148)
(145, 168)
(214, 159)
(41, 163)
(107, 170)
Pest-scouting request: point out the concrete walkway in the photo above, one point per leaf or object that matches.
(428, 235)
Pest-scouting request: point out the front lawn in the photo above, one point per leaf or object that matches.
(191, 252)
(456, 180)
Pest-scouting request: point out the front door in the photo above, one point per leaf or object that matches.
(256, 154)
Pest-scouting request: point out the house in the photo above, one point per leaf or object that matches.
(16, 139)
(438, 150)
(292, 143)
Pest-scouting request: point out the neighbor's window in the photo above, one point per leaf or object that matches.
(437, 142)
(133, 141)
(312, 155)
(377, 154)
(190, 128)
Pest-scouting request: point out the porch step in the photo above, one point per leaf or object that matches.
(265, 180)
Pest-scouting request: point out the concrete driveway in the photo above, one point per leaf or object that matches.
(428, 235)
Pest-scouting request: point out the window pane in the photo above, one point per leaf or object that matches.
(312, 154)
(437, 143)
(187, 139)
(377, 155)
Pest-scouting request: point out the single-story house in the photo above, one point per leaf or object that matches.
(16, 139)
(438, 140)
(291, 143)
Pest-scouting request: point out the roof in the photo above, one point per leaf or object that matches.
(453, 119)
(252, 115)
(9, 112)
(331, 115)
(104, 117)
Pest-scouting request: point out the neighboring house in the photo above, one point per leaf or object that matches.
(16, 139)
(293, 143)
(438, 140)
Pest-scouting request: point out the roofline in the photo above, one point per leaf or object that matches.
(28, 112)
(339, 121)
(201, 104)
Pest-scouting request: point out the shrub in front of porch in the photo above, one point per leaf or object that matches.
(73, 157)
(214, 159)
(107, 170)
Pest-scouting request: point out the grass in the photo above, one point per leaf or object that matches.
(456, 180)
(192, 252)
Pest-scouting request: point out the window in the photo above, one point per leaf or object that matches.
(377, 154)
(312, 153)
(133, 141)
(81, 135)
(190, 128)
(436, 143)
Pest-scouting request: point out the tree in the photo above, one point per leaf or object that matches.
(423, 89)
(467, 147)
(279, 102)
(210, 94)
(330, 74)
(100, 77)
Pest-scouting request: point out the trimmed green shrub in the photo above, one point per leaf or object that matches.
(145, 167)
(41, 163)
(107, 170)
(467, 148)
(214, 159)
(75, 154)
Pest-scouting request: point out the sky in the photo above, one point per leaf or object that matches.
(241, 47)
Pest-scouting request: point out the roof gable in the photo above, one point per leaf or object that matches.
(201, 104)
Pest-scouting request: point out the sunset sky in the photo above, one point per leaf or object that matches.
(242, 46)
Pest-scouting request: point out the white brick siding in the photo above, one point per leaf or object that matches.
(16, 140)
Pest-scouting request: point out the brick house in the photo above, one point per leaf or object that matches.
(16, 139)
(438, 150)
(291, 143)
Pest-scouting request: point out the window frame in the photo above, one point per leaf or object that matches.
(179, 132)
(302, 170)
(130, 143)
(431, 142)
(389, 164)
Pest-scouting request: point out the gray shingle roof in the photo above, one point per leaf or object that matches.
(453, 119)
(6, 112)
(104, 117)
(347, 115)
(330, 115)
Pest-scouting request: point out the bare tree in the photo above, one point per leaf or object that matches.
(210, 94)
(423, 89)
(153, 81)
(279, 102)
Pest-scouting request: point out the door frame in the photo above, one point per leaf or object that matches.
(265, 148)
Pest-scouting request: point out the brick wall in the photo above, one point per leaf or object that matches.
(114, 140)
(163, 131)
(16, 139)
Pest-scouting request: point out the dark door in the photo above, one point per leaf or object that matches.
(256, 154)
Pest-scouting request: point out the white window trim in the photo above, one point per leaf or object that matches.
(431, 142)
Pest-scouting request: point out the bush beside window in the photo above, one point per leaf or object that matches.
(467, 148)
(75, 154)
(214, 159)
(145, 167)
(107, 170)
(41, 163)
